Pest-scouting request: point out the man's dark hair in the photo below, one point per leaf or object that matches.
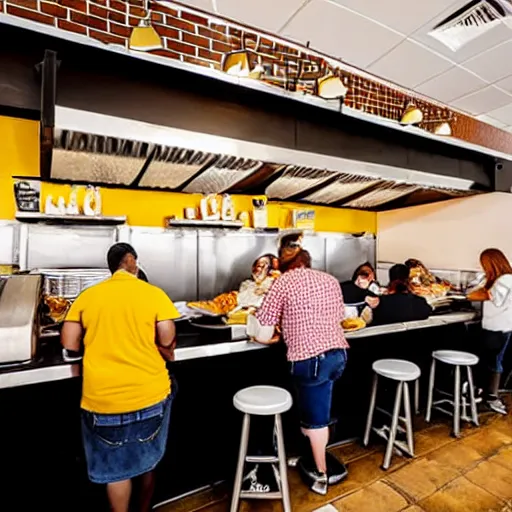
(117, 253)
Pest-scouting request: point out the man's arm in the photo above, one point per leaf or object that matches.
(71, 336)
(166, 339)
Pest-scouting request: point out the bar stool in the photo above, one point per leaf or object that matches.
(457, 359)
(262, 401)
(402, 372)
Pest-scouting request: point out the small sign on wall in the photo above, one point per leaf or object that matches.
(28, 195)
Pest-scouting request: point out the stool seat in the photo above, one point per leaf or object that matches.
(397, 369)
(455, 357)
(263, 400)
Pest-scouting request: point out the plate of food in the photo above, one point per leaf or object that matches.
(353, 324)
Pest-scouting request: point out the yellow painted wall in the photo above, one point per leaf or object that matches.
(19, 156)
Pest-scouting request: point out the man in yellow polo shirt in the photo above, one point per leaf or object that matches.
(127, 329)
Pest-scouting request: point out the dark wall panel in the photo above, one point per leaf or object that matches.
(18, 85)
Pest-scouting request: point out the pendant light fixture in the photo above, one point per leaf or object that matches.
(144, 37)
(411, 115)
(443, 129)
(330, 87)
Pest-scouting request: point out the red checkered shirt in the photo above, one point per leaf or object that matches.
(308, 305)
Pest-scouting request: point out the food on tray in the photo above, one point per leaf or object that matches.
(238, 317)
(353, 324)
(58, 307)
(221, 305)
(424, 283)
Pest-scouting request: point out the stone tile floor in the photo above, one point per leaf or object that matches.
(470, 474)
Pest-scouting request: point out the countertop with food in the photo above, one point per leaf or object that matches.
(192, 344)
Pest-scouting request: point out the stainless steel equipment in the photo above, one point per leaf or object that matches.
(68, 283)
(19, 303)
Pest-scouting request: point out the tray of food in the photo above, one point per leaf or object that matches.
(220, 305)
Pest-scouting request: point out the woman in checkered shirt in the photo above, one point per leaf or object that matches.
(308, 306)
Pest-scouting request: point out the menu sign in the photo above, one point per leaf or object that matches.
(27, 194)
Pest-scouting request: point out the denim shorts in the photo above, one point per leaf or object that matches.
(495, 346)
(124, 446)
(314, 381)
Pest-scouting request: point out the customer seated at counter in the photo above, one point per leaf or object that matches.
(399, 304)
(362, 285)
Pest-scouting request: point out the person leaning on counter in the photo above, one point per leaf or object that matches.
(308, 305)
(399, 304)
(496, 294)
(126, 397)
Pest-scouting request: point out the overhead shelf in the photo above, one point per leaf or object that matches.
(34, 217)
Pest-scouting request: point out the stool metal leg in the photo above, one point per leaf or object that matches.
(456, 403)
(244, 442)
(371, 410)
(417, 396)
(394, 425)
(282, 466)
(474, 412)
(431, 382)
(408, 419)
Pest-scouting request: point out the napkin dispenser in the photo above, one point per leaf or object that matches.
(20, 297)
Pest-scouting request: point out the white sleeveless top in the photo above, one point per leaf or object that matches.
(497, 312)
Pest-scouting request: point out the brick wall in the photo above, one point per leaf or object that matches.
(191, 37)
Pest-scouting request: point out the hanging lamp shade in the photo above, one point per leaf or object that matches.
(144, 37)
(331, 87)
(411, 115)
(236, 63)
(443, 129)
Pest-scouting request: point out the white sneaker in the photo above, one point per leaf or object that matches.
(497, 405)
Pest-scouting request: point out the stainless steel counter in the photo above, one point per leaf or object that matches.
(56, 369)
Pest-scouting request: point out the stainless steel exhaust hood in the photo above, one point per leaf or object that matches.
(95, 148)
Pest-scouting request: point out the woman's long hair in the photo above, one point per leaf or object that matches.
(495, 265)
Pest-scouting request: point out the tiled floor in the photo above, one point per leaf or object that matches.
(471, 474)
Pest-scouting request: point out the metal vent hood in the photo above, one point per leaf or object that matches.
(95, 148)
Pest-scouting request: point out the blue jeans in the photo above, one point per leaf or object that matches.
(124, 446)
(314, 380)
(495, 344)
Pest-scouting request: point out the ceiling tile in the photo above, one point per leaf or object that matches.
(452, 84)
(490, 120)
(205, 5)
(494, 64)
(402, 15)
(503, 114)
(506, 84)
(483, 100)
(267, 14)
(410, 64)
(341, 33)
(486, 41)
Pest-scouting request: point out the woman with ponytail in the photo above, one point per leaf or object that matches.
(308, 305)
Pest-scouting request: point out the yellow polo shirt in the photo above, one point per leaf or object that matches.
(123, 370)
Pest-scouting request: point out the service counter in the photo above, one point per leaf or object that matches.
(41, 456)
